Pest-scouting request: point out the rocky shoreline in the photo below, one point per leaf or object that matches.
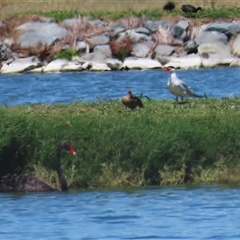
(32, 44)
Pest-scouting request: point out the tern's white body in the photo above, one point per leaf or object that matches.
(178, 87)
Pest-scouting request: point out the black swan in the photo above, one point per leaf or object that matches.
(29, 183)
(190, 9)
(131, 101)
(169, 6)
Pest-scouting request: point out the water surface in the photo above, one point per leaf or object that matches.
(205, 212)
(51, 88)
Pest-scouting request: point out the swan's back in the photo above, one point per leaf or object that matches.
(24, 183)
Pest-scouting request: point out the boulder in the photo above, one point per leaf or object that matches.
(217, 47)
(227, 28)
(211, 36)
(55, 65)
(82, 46)
(214, 53)
(99, 67)
(40, 32)
(134, 36)
(140, 50)
(141, 63)
(103, 49)
(179, 33)
(191, 47)
(98, 40)
(114, 64)
(189, 61)
(117, 27)
(71, 66)
(5, 52)
(94, 57)
(163, 50)
(20, 65)
(153, 26)
(143, 30)
(236, 46)
(235, 62)
(184, 24)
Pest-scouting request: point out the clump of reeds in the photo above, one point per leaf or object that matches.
(80, 29)
(120, 48)
(164, 35)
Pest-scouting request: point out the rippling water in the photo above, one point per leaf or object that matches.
(206, 212)
(89, 86)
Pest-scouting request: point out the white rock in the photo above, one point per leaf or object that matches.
(189, 61)
(71, 66)
(81, 45)
(55, 65)
(37, 70)
(20, 65)
(236, 46)
(214, 53)
(86, 65)
(214, 48)
(217, 60)
(141, 63)
(114, 64)
(99, 67)
(235, 62)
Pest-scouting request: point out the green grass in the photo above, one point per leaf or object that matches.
(148, 13)
(164, 143)
(66, 53)
(156, 13)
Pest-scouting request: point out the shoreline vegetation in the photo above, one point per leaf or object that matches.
(162, 144)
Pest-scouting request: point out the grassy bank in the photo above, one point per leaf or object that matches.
(115, 9)
(164, 143)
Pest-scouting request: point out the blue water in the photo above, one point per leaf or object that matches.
(88, 86)
(206, 212)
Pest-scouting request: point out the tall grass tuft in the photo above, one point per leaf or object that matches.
(120, 48)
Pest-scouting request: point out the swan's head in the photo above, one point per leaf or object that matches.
(68, 146)
(169, 68)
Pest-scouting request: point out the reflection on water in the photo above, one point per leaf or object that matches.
(206, 212)
(90, 86)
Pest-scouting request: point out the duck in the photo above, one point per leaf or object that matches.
(131, 101)
(169, 6)
(178, 87)
(190, 8)
(29, 183)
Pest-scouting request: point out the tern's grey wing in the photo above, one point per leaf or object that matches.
(185, 88)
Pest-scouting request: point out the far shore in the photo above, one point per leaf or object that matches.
(40, 43)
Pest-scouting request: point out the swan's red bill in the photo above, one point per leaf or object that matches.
(72, 150)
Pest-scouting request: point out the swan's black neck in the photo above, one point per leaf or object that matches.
(61, 177)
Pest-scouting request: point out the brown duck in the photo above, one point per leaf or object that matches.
(131, 101)
(29, 183)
